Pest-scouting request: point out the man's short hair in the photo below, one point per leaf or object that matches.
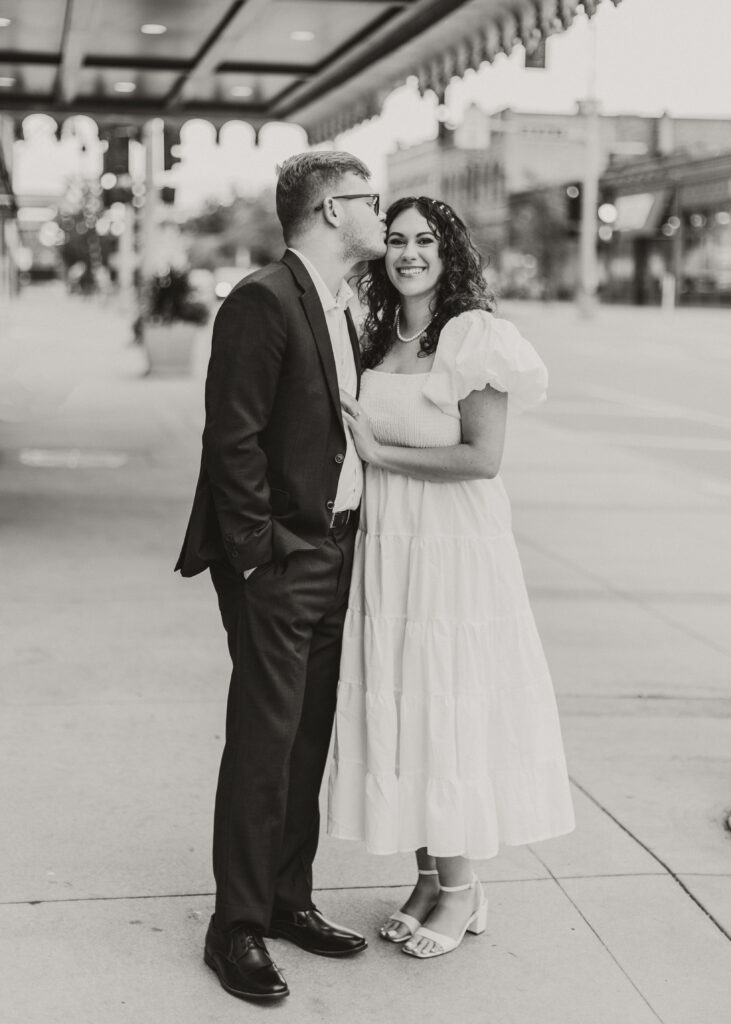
(305, 179)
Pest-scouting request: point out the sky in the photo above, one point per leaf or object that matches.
(645, 56)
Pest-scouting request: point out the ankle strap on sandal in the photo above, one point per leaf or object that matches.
(422, 871)
(459, 888)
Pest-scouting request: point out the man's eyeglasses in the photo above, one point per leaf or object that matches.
(375, 203)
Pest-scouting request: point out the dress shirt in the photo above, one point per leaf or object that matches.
(350, 484)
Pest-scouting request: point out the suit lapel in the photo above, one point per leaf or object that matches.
(318, 325)
(355, 346)
(313, 311)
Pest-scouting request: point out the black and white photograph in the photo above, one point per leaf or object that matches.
(365, 489)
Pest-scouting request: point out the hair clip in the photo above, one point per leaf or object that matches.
(446, 212)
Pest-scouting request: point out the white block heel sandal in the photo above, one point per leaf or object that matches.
(476, 924)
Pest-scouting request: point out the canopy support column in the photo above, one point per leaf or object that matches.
(152, 139)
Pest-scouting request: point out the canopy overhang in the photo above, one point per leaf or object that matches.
(464, 36)
(324, 64)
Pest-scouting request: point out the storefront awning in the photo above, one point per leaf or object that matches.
(325, 64)
(706, 193)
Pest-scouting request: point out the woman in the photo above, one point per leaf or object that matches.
(447, 739)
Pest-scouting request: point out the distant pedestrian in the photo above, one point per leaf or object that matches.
(274, 519)
(447, 739)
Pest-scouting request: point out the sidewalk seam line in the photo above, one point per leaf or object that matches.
(676, 878)
(323, 889)
(603, 944)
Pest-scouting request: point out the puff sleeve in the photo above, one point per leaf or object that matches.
(476, 349)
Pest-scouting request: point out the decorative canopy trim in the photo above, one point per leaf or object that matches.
(477, 33)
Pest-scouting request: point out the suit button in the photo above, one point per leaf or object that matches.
(339, 459)
(329, 505)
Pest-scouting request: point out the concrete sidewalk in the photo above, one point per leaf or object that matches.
(114, 673)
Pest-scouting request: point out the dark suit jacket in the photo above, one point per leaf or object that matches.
(273, 442)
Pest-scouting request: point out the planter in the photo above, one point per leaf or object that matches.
(170, 347)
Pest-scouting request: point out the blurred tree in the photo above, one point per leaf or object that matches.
(223, 232)
(540, 226)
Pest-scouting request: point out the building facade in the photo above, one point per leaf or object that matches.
(516, 178)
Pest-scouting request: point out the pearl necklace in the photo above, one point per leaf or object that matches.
(399, 335)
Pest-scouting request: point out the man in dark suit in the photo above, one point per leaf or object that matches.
(274, 519)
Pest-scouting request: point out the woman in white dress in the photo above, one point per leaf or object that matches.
(447, 740)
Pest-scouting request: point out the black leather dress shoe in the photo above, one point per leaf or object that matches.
(242, 963)
(309, 930)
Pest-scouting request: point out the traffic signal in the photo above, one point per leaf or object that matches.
(573, 208)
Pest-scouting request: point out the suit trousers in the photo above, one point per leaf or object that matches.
(284, 626)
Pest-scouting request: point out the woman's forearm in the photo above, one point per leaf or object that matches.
(453, 462)
(477, 457)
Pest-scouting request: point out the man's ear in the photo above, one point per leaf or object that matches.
(331, 213)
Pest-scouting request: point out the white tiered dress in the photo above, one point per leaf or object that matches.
(446, 734)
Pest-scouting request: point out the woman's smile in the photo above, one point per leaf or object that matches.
(410, 271)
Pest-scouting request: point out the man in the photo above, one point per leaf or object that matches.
(274, 520)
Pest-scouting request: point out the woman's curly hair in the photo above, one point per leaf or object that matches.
(461, 286)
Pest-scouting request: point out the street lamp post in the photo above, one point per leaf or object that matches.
(589, 114)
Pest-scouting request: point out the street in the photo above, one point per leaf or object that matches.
(114, 674)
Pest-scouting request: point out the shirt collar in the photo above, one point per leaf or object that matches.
(328, 300)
